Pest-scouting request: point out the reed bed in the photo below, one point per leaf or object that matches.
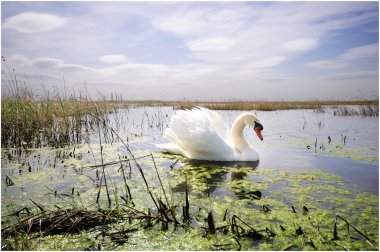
(275, 105)
(32, 119)
(165, 212)
(366, 107)
(36, 117)
(362, 110)
(245, 105)
(47, 121)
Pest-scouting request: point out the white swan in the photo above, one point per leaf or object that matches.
(202, 134)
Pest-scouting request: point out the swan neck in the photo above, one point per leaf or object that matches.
(237, 133)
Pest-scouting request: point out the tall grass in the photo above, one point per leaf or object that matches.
(361, 110)
(34, 118)
(368, 108)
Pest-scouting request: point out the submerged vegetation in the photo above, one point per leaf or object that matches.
(185, 211)
(71, 182)
(139, 200)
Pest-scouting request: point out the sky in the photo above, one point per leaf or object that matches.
(212, 51)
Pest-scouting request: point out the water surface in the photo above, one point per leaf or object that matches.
(331, 157)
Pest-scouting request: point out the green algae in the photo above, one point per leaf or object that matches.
(284, 193)
(337, 150)
(266, 199)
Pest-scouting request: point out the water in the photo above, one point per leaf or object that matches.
(289, 145)
(295, 142)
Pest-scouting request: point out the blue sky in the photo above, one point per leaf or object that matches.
(197, 50)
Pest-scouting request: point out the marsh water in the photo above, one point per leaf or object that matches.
(316, 159)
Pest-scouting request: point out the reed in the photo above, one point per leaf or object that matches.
(33, 119)
(362, 110)
(316, 105)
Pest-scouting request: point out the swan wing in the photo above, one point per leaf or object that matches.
(200, 134)
(217, 123)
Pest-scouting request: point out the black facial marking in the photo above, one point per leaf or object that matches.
(259, 125)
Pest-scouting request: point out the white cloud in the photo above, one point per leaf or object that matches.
(33, 22)
(74, 67)
(187, 44)
(304, 44)
(210, 44)
(327, 64)
(348, 58)
(113, 58)
(269, 62)
(216, 19)
(46, 62)
(190, 22)
(353, 75)
(17, 59)
(361, 52)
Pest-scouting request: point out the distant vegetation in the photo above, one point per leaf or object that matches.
(341, 108)
(362, 110)
(34, 119)
(37, 117)
(272, 106)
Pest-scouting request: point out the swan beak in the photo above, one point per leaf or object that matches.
(258, 133)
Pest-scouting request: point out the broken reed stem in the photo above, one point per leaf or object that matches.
(186, 212)
(166, 198)
(113, 162)
(103, 170)
(133, 158)
(236, 217)
(315, 145)
(100, 187)
(159, 178)
(237, 241)
(147, 186)
(225, 215)
(368, 240)
(210, 222)
(125, 181)
(105, 180)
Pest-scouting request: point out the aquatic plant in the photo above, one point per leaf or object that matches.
(33, 118)
(303, 210)
(120, 198)
(361, 110)
(142, 200)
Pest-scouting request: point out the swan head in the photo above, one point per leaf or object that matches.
(255, 123)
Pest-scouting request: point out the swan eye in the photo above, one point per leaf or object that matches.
(259, 125)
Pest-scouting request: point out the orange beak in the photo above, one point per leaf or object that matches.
(258, 133)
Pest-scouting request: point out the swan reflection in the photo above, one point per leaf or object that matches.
(212, 174)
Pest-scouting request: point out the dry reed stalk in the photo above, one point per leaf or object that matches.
(33, 117)
(317, 106)
(361, 110)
